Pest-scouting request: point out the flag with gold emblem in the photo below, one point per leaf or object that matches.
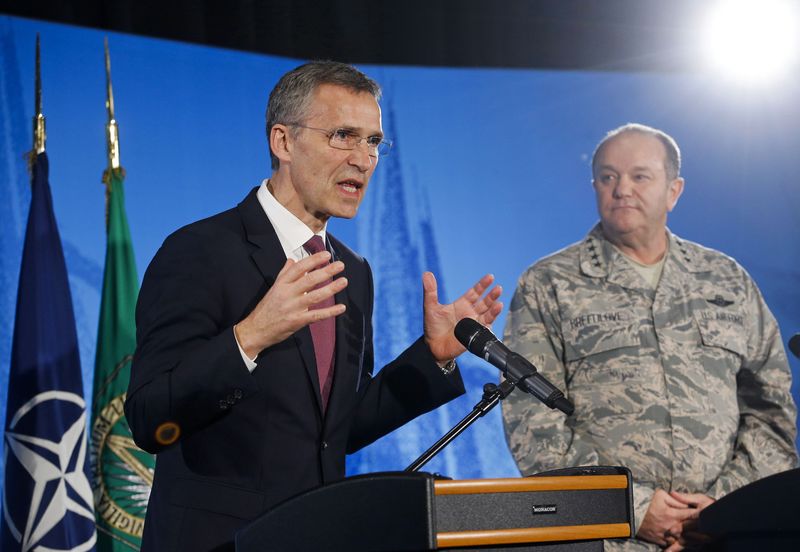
(122, 474)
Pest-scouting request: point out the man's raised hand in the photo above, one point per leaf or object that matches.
(284, 309)
(440, 320)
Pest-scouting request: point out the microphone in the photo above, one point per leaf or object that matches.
(794, 345)
(481, 342)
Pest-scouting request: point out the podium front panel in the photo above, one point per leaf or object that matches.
(532, 510)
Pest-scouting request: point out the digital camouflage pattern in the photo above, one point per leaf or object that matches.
(687, 384)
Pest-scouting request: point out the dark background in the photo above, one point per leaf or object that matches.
(606, 35)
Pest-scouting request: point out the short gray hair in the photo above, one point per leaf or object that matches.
(289, 100)
(672, 159)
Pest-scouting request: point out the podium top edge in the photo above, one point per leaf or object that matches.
(524, 484)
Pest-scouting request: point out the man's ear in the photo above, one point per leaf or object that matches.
(674, 192)
(280, 143)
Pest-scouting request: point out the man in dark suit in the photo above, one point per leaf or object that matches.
(253, 374)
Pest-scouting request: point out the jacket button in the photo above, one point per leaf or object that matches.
(237, 394)
(223, 405)
(324, 445)
(229, 399)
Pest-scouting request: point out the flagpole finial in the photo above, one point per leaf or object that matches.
(112, 129)
(112, 134)
(39, 134)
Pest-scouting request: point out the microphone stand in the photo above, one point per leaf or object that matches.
(492, 394)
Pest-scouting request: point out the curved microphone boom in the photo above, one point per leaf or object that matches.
(482, 342)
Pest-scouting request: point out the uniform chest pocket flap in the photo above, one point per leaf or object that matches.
(597, 339)
(602, 364)
(722, 329)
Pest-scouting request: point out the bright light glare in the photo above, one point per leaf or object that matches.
(753, 41)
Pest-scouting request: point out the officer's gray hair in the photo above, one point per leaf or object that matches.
(289, 100)
(672, 159)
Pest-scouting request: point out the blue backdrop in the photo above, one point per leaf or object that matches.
(489, 172)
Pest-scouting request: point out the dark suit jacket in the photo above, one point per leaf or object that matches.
(249, 441)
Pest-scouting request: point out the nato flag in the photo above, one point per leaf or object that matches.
(47, 499)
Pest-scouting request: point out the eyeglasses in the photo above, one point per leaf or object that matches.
(346, 139)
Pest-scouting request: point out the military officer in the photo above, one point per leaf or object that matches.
(673, 360)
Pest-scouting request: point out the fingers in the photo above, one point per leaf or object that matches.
(307, 282)
(318, 295)
(305, 309)
(664, 520)
(682, 514)
(315, 315)
(474, 293)
(491, 315)
(488, 300)
(430, 290)
(293, 271)
(693, 500)
(674, 502)
(671, 537)
(680, 497)
(486, 306)
(489, 307)
(681, 536)
(292, 302)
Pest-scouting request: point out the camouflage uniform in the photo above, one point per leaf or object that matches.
(687, 385)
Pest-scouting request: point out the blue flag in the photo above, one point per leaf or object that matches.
(47, 498)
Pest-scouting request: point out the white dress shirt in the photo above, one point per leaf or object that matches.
(292, 233)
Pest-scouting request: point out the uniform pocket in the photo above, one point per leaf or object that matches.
(592, 334)
(722, 329)
(602, 365)
(723, 346)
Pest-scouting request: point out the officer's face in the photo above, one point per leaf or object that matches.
(633, 191)
(329, 182)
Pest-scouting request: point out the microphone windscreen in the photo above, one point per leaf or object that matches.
(472, 335)
(794, 345)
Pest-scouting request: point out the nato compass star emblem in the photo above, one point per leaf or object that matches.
(59, 489)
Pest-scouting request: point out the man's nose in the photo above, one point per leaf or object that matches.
(360, 157)
(623, 187)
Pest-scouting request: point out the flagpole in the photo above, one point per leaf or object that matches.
(39, 134)
(112, 132)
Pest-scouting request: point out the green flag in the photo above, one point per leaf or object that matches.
(122, 474)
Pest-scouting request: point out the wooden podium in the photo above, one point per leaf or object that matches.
(567, 510)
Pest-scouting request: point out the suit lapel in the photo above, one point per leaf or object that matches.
(269, 258)
(268, 253)
(350, 331)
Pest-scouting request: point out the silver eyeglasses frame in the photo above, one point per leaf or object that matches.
(345, 139)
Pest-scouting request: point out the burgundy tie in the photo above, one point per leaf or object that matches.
(323, 333)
